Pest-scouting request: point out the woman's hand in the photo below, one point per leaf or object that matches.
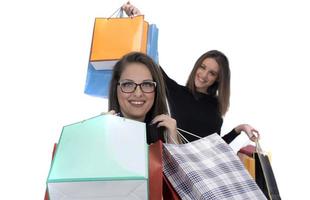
(249, 130)
(170, 124)
(130, 10)
(111, 112)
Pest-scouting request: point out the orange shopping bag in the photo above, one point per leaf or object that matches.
(115, 37)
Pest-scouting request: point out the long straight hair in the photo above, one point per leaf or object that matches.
(159, 105)
(220, 88)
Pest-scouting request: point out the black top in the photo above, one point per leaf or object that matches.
(196, 114)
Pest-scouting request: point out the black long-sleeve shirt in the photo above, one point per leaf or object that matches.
(196, 114)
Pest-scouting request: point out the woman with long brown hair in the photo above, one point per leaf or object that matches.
(137, 92)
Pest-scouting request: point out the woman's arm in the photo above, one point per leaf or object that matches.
(251, 132)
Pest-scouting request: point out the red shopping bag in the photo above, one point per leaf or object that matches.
(160, 186)
(155, 170)
(54, 150)
(169, 192)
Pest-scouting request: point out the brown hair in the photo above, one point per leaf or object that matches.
(221, 88)
(159, 106)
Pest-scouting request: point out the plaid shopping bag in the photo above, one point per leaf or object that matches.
(208, 169)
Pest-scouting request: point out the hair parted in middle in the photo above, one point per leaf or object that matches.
(221, 87)
(160, 105)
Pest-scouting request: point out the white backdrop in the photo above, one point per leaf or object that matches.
(44, 48)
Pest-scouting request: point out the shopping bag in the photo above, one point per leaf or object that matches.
(97, 159)
(155, 171)
(97, 82)
(152, 42)
(208, 169)
(54, 150)
(159, 185)
(246, 155)
(264, 175)
(115, 37)
(169, 192)
(104, 54)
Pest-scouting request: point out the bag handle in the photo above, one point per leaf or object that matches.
(118, 13)
(183, 139)
(258, 148)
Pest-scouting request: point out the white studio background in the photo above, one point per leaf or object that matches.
(44, 48)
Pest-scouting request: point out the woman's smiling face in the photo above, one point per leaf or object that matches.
(206, 75)
(137, 104)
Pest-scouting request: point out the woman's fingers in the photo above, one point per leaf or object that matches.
(254, 135)
(131, 10)
(111, 112)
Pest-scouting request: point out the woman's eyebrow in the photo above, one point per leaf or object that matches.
(126, 80)
(148, 80)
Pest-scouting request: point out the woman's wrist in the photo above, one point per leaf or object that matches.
(238, 130)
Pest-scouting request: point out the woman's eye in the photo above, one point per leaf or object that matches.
(214, 73)
(146, 84)
(128, 84)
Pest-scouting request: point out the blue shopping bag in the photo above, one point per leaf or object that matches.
(152, 42)
(98, 81)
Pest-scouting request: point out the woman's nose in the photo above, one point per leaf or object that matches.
(205, 73)
(138, 91)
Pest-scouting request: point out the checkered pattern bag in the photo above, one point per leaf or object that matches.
(208, 169)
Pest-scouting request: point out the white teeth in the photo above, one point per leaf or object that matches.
(137, 102)
(201, 80)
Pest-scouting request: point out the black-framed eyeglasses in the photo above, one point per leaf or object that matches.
(130, 86)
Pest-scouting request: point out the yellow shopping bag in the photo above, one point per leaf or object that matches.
(248, 160)
(115, 37)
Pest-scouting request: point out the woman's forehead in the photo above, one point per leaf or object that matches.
(136, 72)
(211, 64)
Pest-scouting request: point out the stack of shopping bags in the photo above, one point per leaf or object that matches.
(258, 164)
(97, 159)
(113, 38)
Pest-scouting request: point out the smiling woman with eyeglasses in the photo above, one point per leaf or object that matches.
(137, 92)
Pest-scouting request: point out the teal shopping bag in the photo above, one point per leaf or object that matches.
(105, 157)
